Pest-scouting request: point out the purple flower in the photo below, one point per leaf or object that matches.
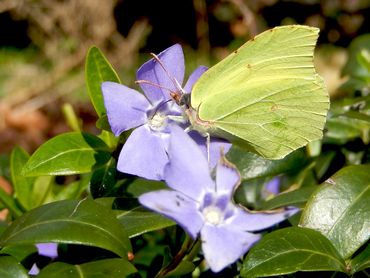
(48, 249)
(271, 188)
(204, 207)
(145, 151)
(44, 249)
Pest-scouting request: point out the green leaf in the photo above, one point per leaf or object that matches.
(339, 209)
(295, 197)
(23, 186)
(11, 268)
(347, 127)
(103, 180)
(361, 261)
(353, 67)
(77, 222)
(290, 250)
(98, 70)
(108, 268)
(253, 166)
(41, 193)
(19, 252)
(138, 220)
(9, 203)
(66, 154)
(183, 268)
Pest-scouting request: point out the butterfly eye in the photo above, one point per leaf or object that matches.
(184, 100)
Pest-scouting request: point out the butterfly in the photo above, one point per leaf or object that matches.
(265, 96)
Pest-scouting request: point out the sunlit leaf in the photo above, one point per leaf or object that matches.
(340, 209)
(102, 268)
(253, 166)
(11, 268)
(71, 221)
(290, 250)
(68, 153)
(98, 70)
(361, 261)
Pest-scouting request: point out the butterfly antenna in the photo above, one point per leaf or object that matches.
(174, 80)
(154, 84)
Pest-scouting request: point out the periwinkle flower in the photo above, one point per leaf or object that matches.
(145, 151)
(271, 188)
(47, 250)
(204, 207)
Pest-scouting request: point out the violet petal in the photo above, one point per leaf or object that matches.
(126, 108)
(227, 178)
(188, 170)
(176, 206)
(222, 245)
(34, 270)
(216, 146)
(258, 221)
(194, 76)
(144, 154)
(48, 249)
(172, 59)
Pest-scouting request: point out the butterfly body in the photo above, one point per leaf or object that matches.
(265, 96)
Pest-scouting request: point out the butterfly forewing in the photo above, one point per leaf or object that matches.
(266, 95)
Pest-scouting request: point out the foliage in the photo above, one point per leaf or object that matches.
(101, 228)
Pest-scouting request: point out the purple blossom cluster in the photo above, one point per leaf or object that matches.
(160, 148)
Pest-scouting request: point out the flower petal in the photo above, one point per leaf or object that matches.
(48, 249)
(194, 76)
(222, 245)
(258, 221)
(34, 270)
(176, 206)
(216, 146)
(144, 154)
(171, 66)
(126, 108)
(188, 170)
(227, 178)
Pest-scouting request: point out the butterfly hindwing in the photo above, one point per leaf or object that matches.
(266, 95)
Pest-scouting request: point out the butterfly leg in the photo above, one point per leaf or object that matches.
(208, 142)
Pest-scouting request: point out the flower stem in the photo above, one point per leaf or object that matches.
(190, 247)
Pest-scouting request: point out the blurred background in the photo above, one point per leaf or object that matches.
(43, 44)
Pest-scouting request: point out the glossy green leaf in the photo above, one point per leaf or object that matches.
(98, 70)
(347, 127)
(138, 220)
(340, 209)
(72, 190)
(66, 154)
(19, 252)
(290, 250)
(70, 221)
(185, 267)
(103, 180)
(253, 166)
(135, 219)
(294, 197)
(42, 191)
(9, 203)
(108, 268)
(353, 67)
(11, 268)
(361, 261)
(23, 186)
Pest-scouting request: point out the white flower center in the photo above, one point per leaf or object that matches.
(213, 215)
(158, 121)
